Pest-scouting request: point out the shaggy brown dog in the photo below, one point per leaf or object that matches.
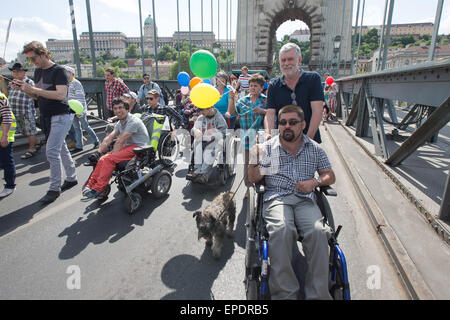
(216, 220)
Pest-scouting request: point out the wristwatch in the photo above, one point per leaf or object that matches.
(319, 181)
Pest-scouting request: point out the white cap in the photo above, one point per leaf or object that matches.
(131, 94)
(70, 69)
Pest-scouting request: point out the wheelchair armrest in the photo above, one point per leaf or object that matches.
(328, 191)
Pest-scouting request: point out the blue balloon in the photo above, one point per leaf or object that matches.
(183, 79)
(207, 81)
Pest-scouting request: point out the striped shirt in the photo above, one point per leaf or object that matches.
(76, 92)
(243, 80)
(20, 103)
(5, 110)
(115, 89)
(283, 171)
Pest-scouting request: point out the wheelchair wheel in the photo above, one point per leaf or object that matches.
(132, 202)
(339, 287)
(223, 175)
(161, 184)
(168, 147)
(231, 159)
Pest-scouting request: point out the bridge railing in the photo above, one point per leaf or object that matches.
(95, 90)
(362, 101)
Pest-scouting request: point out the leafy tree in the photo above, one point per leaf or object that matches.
(184, 62)
(119, 63)
(131, 51)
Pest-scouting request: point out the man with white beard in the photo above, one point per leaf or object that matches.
(295, 87)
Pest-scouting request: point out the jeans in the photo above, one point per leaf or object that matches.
(76, 133)
(57, 152)
(8, 166)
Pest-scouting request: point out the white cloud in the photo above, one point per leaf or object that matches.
(126, 6)
(24, 30)
(444, 27)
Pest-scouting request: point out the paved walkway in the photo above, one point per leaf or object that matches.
(418, 251)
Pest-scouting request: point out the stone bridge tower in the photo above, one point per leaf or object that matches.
(258, 20)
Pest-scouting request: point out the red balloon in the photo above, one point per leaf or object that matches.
(330, 81)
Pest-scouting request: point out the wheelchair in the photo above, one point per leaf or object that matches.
(225, 160)
(148, 171)
(257, 263)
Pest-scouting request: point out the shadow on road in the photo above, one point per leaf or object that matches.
(20, 217)
(191, 278)
(110, 223)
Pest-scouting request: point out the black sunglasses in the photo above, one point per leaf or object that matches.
(292, 122)
(150, 99)
(294, 97)
(33, 58)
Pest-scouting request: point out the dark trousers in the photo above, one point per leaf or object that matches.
(8, 166)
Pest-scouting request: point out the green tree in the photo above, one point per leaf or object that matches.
(184, 59)
(131, 51)
(119, 63)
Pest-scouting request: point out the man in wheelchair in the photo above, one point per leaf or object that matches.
(209, 133)
(288, 163)
(131, 133)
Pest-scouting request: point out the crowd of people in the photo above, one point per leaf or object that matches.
(288, 158)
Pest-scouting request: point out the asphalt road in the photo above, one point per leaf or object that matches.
(75, 250)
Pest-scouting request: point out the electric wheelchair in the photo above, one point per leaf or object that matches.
(257, 263)
(149, 170)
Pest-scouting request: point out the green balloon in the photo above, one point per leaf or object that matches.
(76, 106)
(203, 64)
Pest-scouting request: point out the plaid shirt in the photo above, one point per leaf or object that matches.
(116, 89)
(249, 119)
(20, 103)
(283, 171)
(174, 116)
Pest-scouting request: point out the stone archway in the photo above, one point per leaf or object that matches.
(258, 21)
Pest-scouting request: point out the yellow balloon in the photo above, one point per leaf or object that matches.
(204, 96)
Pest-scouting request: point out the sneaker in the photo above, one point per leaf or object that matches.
(91, 195)
(6, 192)
(86, 190)
(50, 197)
(68, 184)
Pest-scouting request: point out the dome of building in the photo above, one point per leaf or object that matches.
(149, 20)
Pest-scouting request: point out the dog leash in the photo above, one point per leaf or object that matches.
(231, 200)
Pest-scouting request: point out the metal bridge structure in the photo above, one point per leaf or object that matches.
(363, 99)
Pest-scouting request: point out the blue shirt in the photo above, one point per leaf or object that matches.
(143, 90)
(222, 104)
(308, 88)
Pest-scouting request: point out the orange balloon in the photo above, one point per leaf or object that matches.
(195, 81)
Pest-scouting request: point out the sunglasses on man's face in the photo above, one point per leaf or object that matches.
(33, 58)
(291, 122)
(151, 99)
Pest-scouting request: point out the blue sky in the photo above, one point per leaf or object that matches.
(43, 19)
